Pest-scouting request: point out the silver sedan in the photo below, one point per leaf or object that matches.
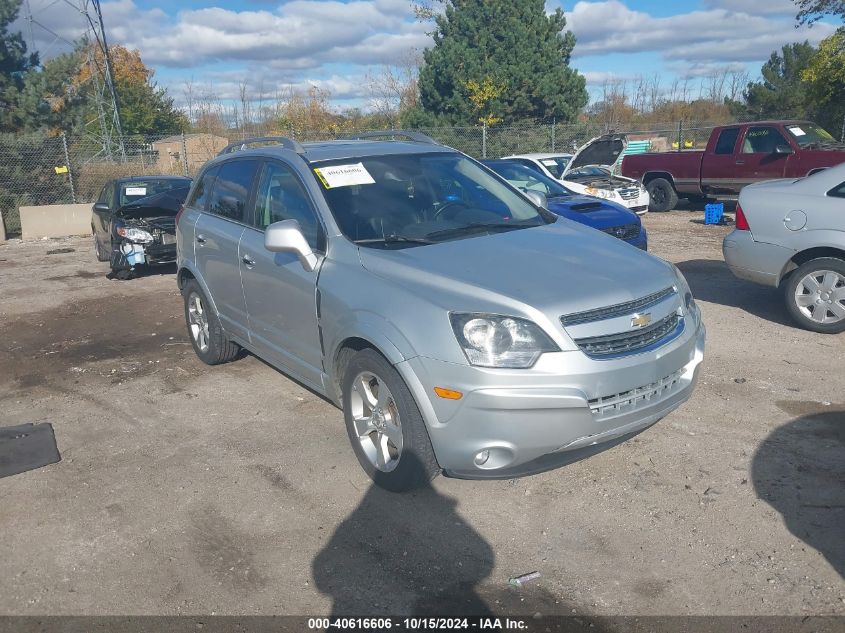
(791, 234)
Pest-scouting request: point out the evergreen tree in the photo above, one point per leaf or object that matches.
(781, 93)
(500, 60)
(14, 60)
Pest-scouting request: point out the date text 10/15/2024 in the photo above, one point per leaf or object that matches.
(417, 624)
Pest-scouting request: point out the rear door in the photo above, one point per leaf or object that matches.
(281, 296)
(720, 171)
(756, 158)
(217, 235)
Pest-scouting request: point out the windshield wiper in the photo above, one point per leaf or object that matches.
(478, 227)
(395, 239)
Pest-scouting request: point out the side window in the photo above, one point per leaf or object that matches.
(281, 197)
(231, 189)
(838, 191)
(199, 195)
(762, 140)
(727, 141)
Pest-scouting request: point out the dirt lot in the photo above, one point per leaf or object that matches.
(190, 489)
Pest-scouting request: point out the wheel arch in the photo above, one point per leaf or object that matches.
(347, 348)
(809, 254)
(654, 175)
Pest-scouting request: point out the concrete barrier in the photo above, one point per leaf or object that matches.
(55, 220)
(2, 228)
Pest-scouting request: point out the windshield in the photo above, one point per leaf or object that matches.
(415, 199)
(555, 164)
(135, 190)
(526, 179)
(809, 134)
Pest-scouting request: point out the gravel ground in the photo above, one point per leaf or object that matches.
(190, 489)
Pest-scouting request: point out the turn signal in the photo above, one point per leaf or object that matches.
(448, 394)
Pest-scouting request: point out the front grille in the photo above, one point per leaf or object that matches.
(629, 193)
(628, 342)
(627, 401)
(619, 309)
(624, 231)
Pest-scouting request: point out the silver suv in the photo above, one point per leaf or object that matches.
(459, 325)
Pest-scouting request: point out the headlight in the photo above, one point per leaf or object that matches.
(491, 340)
(690, 307)
(134, 235)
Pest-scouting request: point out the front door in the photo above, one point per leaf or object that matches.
(280, 294)
(758, 158)
(217, 237)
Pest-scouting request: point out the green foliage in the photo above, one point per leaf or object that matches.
(814, 10)
(781, 93)
(147, 109)
(511, 43)
(14, 60)
(824, 79)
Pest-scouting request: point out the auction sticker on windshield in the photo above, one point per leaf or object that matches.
(344, 175)
(135, 191)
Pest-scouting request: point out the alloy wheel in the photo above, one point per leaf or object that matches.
(376, 420)
(198, 321)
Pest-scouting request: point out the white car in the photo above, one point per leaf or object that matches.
(551, 165)
(590, 172)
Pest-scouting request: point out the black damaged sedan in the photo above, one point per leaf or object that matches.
(134, 222)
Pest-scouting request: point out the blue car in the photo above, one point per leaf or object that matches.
(606, 216)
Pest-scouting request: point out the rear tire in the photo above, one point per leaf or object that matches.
(385, 426)
(662, 194)
(815, 295)
(207, 337)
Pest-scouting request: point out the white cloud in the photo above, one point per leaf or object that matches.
(716, 34)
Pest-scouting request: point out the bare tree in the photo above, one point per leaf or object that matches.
(393, 88)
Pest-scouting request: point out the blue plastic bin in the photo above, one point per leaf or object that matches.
(713, 213)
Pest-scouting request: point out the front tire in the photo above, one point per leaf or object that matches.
(98, 249)
(662, 194)
(385, 426)
(207, 337)
(815, 295)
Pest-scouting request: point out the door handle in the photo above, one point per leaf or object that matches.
(200, 239)
(249, 261)
(740, 162)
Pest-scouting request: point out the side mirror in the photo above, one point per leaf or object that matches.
(537, 198)
(782, 149)
(101, 207)
(286, 237)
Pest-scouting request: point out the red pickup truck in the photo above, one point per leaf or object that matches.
(736, 155)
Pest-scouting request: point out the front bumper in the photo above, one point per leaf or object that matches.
(755, 261)
(567, 407)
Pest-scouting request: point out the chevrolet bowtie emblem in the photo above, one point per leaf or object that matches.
(641, 320)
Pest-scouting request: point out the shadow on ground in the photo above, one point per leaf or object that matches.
(412, 554)
(712, 281)
(799, 470)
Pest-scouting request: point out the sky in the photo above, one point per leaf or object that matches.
(273, 46)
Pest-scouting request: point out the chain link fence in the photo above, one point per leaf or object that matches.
(38, 169)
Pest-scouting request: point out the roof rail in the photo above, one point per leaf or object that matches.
(419, 137)
(281, 140)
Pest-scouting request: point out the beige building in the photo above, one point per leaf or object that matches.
(198, 149)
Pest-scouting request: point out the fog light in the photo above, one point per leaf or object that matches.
(482, 457)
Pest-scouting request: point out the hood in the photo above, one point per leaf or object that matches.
(160, 204)
(593, 212)
(558, 269)
(602, 150)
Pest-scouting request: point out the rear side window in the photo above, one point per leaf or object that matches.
(232, 188)
(199, 196)
(837, 192)
(727, 141)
